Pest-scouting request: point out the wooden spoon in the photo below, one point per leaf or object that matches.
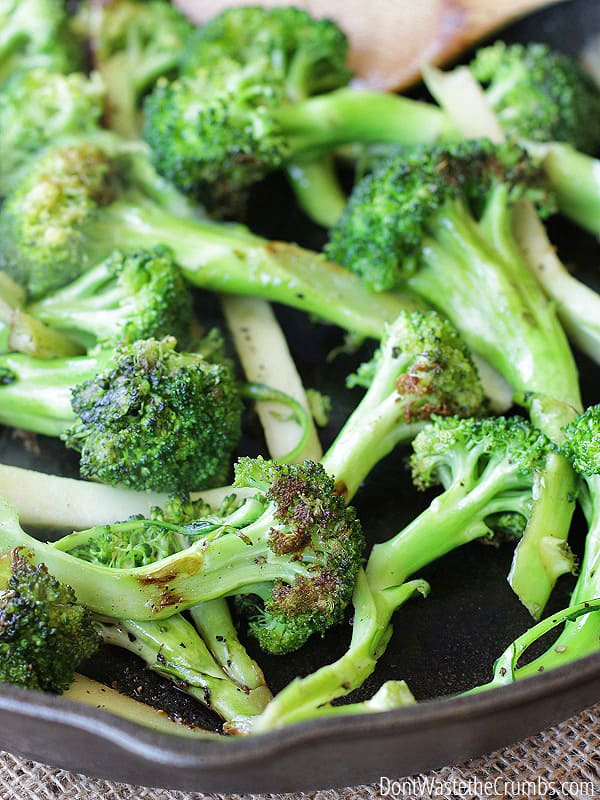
(391, 39)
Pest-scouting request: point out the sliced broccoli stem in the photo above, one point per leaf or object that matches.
(232, 260)
(520, 337)
(26, 334)
(575, 179)
(350, 115)
(317, 189)
(391, 695)
(173, 648)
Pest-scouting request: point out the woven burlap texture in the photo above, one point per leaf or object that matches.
(566, 758)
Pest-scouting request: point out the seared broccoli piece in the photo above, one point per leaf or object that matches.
(540, 94)
(211, 665)
(142, 415)
(581, 637)
(439, 222)
(80, 203)
(260, 91)
(294, 545)
(39, 107)
(422, 368)
(487, 468)
(36, 33)
(133, 43)
(44, 631)
(136, 294)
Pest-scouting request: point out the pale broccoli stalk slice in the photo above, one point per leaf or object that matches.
(112, 203)
(39, 107)
(134, 294)
(438, 223)
(582, 636)
(422, 368)
(141, 415)
(133, 44)
(36, 33)
(22, 333)
(506, 668)
(303, 549)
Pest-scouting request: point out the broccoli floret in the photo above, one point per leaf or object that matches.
(36, 33)
(133, 43)
(80, 203)
(296, 546)
(142, 415)
(439, 222)
(540, 94)
(39, 107)
(422, 368)
(138, 294)
(44, 631)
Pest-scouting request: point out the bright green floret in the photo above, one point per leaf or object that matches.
(44, 632)
(81, 202)
(142, 415)
(540, 94)
(422, 368)
(137, 294)
(36, 33)
(39, 107)
(439, 222)
(294, 546)
(133, 43)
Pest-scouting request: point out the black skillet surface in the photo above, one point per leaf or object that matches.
(441, 646)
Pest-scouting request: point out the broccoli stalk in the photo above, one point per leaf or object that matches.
(44, 631)
(133, 44)
(439, 222)
(294, 546)
(49, 236)
(142, 415)
(489, 470)
(422, 368)
(131, 295)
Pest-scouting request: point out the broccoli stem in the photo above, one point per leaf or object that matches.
(317, 189)
(336, 118)
(230, 259)
(26, 334)
(578, 306)
(575, 179)
(173, 648)
(517, 333)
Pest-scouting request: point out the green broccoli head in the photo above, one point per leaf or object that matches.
(133, 44)
(540, 94)
(581, 444)
(453, 448)
(391, 211)
(44, 632)
(311, 525)
(36, 33)
(156, 419)
(42, 245)
(433, 369)
(304, 55)
(38, 107)
(136, 294)
(213, 134)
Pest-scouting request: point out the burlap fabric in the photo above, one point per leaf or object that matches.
(562, 762)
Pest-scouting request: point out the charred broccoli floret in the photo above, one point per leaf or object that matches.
(80, 203)
(44, 631)
(142, 415)
(39, 107)
(133, 43)
(139, 294)
(540, 94)
(36, 33)
(422, 368)
(439, 222)
(293, 545)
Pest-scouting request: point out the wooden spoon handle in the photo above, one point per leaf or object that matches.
(391, 39)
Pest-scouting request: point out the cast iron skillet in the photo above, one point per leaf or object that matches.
(441, 646)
